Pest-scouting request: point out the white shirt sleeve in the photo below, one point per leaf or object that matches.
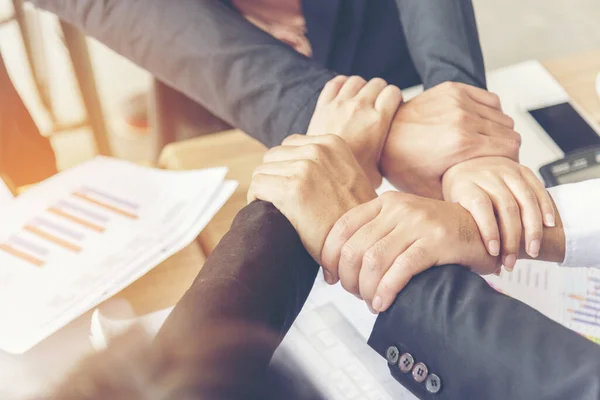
(579, 207)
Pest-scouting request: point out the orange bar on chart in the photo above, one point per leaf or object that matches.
(75, 219)
(105, 206)
(53, 239)
(23, 256)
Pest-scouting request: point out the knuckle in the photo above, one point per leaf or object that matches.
(440, 231)
(510, 122)
(480, 200)
(348, 255)
(305, 168)
(460, 139)
(511, 209)
(373, 258)
(495, 100)
(314, 150)
(461, 117)
(379, 81)
(449, 85)
(341, 228)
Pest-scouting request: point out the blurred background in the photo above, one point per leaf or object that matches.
(511, 31)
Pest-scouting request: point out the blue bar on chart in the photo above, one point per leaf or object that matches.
(65, 205)
(56, 228)
(28, 246)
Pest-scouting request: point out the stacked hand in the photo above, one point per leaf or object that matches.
(440, 128)
(451, 142)
(504, 198)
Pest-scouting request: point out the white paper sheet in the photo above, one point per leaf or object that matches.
(87, 233)
(5, 194)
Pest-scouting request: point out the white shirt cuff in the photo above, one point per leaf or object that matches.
(579, 207)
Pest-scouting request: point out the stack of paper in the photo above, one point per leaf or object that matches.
(84, 235)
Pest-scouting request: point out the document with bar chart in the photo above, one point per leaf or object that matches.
(87, 233)
(570, 296)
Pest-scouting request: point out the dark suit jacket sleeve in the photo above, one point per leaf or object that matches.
(483, 344)
(259, 274)
(443, 41)
(209, 52)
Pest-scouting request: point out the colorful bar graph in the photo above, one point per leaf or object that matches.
(108, 196)
(77, 220)
(84, 211)
(106, 206)
(21, 255)
(52, 239)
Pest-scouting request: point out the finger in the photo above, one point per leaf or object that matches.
(378, 260)
(389, 101)
(331, 89)
(509, 218)
(353, 251)
(342, 231)
(531, 214)
(479, 204)
(372, 90)
(544, 198)
(410, 263)
(351, 88)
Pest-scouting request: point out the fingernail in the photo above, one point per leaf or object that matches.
(494, 247)
(550, 221)
(377, 303)
(328, 277)
(534, 248)
(509, 262)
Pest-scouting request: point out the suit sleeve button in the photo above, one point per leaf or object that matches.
(406, 362)
(392, 355)
(420, 372)
(433, 384)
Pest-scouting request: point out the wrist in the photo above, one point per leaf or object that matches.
(368, 152)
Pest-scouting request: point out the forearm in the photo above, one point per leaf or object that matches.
(210, 53)
(443, 41)
(259, 274)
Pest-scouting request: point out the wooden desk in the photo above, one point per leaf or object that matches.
(164, 286)
(234, 149)
(242, 154)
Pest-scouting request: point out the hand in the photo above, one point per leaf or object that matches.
(496, 186)
(313, 181)
(440, 128)
(379, 246)
(361, 113)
